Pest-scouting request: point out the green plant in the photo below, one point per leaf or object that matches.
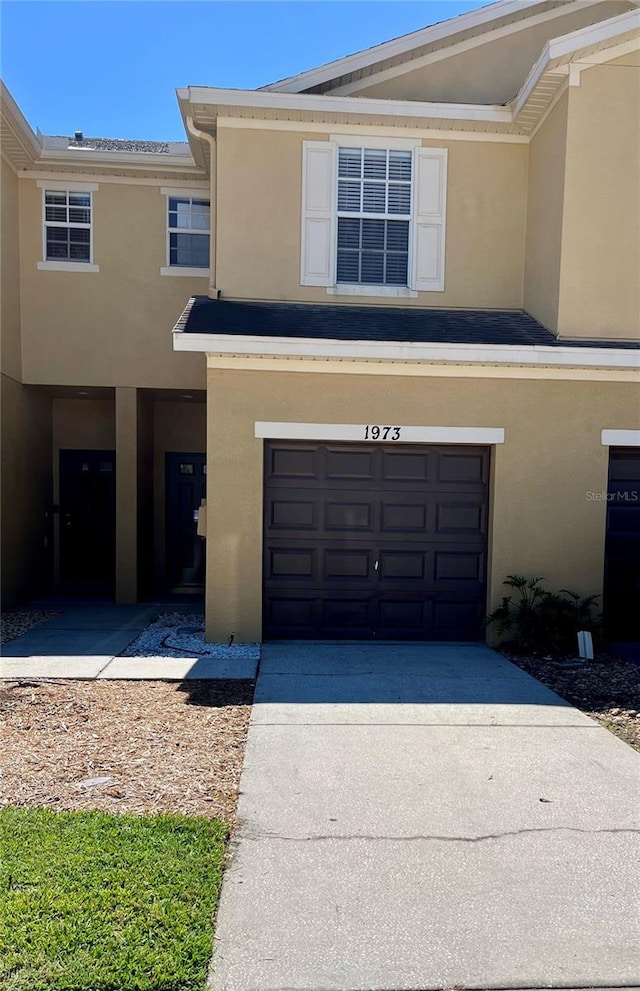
(543, 622)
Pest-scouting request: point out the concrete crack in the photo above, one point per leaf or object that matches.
(421, 837)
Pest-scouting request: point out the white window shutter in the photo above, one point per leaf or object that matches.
(318, 213)
(429, 214)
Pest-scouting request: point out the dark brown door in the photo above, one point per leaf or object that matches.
(87, 519)
(365, 541)
(186, 477)
(621, 604)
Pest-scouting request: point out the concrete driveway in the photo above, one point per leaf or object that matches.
(427, 816)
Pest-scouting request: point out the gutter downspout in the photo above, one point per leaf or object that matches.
(213, 292)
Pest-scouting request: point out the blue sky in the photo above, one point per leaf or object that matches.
(111, 67)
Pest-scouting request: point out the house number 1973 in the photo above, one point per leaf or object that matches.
(376, 432)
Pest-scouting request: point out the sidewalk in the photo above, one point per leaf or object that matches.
(85, 641)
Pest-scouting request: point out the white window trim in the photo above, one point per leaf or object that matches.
(180, 270)
(428, 218)
(60, 264)
(620, 438)
(360, 289)
(191, 194)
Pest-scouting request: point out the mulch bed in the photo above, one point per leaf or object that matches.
(15, 622)
(167, 747)
(607, 689)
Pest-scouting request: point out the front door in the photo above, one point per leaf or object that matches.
(87, 519)
(382, 541)
(186, 477)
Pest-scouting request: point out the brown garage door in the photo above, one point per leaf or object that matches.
(366, 541)
(621, 605)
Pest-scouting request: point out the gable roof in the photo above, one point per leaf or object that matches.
(442, 35)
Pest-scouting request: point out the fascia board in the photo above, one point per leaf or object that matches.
(558, 50)
(258, 99)
(19, 123)
(583, 357)
(400, 46)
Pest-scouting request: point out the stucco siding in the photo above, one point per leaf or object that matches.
(545, 205)
(544, 520)
(27, 531)
(493, 72)
(111, 328)
(10, 355)
(600, 272)
(259, 220)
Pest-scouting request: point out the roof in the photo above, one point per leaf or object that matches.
(122, 144)
(203, 315)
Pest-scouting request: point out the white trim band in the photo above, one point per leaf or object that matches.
(193, 273)
(379, 433)
(71, 185)
(621, 438)
(460, 354)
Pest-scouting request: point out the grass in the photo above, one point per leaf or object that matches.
(97, 902)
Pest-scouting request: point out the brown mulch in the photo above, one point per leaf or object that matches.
(607, 689)
(168, 747)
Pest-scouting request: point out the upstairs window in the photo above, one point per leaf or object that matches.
(373, 216)
(374, 193)
(67, 226)
(189, 232)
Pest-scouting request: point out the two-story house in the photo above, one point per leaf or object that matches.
(405, 298)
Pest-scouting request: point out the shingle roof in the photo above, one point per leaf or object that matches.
(371, 323)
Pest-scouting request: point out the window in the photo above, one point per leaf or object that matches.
(189, 220)
(67, 218)
(373, 216)
(374, 192)
(67, 240)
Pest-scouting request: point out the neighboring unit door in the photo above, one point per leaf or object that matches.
(186, 476)
(384, 541)
(621, 602)
(87, 519)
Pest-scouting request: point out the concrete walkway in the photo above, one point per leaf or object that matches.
(422, 817)
(84, 641)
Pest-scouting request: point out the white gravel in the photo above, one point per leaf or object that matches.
(178, 634)
(15, 622)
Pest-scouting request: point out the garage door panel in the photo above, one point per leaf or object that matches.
(371, 543)
(294, 563)
(289, 514)
(461, 468)
(458, 566)
(347, 564)
(405, 466)
(285, 462)
(350, 464)
(404, 516)
(340, 515)
(402, 566)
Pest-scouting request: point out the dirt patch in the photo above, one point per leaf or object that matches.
(164, 747)
(607, 689)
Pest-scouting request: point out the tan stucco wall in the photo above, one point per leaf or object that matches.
(10, 356)
(259, 222)
(491, 73)
(543, 521)
(26, 491)
(544, 217)
(179, 428)
(111, 328)
(600, 280)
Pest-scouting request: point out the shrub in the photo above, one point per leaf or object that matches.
(543, 622)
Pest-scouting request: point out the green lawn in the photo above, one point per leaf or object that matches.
(96, 902)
